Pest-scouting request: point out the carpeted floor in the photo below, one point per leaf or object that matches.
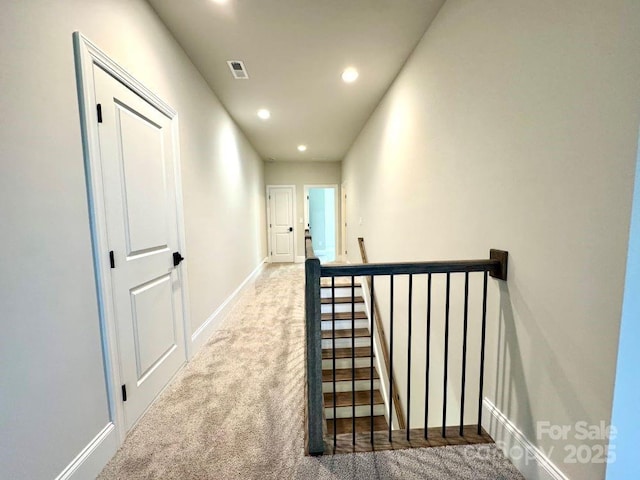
(236, 411)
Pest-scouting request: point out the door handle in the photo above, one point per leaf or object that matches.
(177, 258)
(291, 229)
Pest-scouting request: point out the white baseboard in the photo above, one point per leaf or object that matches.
(300, 259)
(92, 459)
(204, 331)
(532, 463)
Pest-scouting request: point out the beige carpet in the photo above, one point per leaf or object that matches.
(236, 411)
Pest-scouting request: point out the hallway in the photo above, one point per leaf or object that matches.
(236, 410)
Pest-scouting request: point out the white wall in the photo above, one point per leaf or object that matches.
(301, 174)
(513, 125)
(626, 417)
(52, 390)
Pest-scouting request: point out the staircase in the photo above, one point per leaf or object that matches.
(349, 378)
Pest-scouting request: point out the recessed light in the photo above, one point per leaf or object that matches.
(302, 148)
(350, 75)
(264, 114)
(220, 2)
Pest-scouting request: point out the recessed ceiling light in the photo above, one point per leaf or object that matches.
(264, 114)
(350, 75)
(302, 148)
(220, 2)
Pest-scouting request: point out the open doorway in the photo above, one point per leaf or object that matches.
(321, 207)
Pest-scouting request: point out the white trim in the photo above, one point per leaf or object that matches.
(92, 459)
(86, 55)
(300, 259)
(295, 221)
(204, 331)
(343, 222)
(527, 458)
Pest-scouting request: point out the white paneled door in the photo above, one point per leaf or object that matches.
(137, 162)
(281, 221)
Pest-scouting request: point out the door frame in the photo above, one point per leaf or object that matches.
(343, 222)
(336, 215)
(86, 56)
(295, 219)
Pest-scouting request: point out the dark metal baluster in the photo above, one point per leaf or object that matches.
(391, 360)
(353, 360)
(426, 380)
(464, 347)
(446, 358)
(408, 426)
(484, 329)
(333, 355)
(371, 308)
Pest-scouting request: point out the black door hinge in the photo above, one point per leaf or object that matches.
(124, 393)
(177, 258)
(112, 259)
(99, 107)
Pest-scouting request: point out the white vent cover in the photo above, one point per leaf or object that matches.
(238, 69)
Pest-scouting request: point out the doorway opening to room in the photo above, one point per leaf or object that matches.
(321, 212)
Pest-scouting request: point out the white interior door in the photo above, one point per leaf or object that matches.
(281, 222)
(137, 163)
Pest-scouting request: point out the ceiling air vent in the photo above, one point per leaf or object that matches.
(238, 69)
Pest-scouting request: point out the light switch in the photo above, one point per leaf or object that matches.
(360, 221)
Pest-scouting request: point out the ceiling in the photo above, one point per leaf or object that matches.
(295, 52)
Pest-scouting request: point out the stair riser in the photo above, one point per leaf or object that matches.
(345, 342)
(361, 385)
(345, 324)
(340, 292)
(346, 363)
(361, 411)
(342, 307)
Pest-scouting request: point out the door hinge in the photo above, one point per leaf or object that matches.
(112, 259)
(307, 197)
(99, 107)
(177, 258)
(124, 393)
(269, 197)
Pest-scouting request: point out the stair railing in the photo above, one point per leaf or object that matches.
(495, 266)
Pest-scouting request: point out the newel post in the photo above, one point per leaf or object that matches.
(315, 442)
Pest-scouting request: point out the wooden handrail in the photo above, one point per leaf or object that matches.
(495, 267)
(383, 343)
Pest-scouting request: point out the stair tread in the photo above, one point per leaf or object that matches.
(346, 352)
(363, 424)
(346, 333)
(343, 300)
(344, 316)
(345, 374)
(346, 399)
(326, 283)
